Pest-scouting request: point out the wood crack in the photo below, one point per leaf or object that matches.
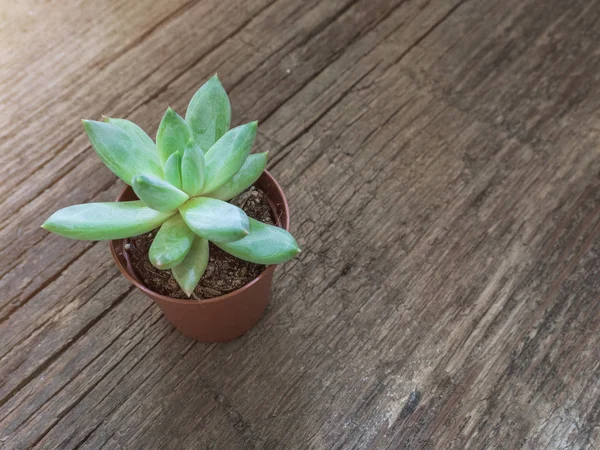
(11, 310)
(42, 367)
(88, 364)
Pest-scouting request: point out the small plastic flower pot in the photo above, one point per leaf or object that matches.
(222, 318)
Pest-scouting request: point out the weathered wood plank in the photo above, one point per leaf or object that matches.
(347, 361)
(450, 220)
(21, 350)
(535, 72)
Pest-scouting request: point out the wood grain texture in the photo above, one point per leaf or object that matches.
(441, 159)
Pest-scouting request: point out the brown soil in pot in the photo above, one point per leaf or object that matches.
(224, 273)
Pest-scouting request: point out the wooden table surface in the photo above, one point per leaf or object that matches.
(441, 159)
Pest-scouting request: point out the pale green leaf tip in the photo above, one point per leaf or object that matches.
(48, 225)
(89, 124)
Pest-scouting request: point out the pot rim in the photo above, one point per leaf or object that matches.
(151, 293)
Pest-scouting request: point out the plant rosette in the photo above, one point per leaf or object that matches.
(182, 185)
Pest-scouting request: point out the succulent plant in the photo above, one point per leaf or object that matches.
(183, 183)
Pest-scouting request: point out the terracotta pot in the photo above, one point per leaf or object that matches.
(221, 318)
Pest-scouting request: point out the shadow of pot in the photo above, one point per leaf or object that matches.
(222, 318)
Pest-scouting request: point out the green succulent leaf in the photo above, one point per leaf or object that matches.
(172, 135)
(209, 113)
(190, 270)
(121, 151)
(244, 178)
(171, 244)
(132, 128)
(215, 220)
(228, 155)
(172, 170)
(158, 194)
(192, 169)
(104, 221)
(266, 244)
